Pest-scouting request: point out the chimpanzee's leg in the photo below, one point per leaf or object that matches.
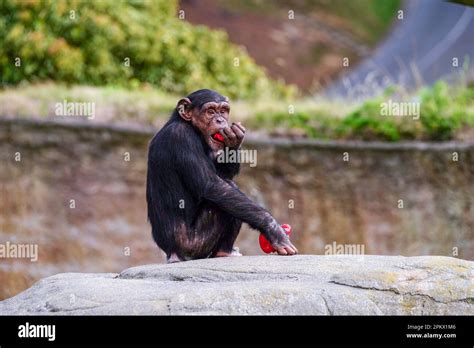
(225, 246)
(213, 231)
(173, 258)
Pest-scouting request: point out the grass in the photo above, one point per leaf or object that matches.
(113, 104)
(445, 112)
(145, 106)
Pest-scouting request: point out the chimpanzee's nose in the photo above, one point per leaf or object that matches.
(221, 120)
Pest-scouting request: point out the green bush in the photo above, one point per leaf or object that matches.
(367, 123)
(315, 125)
(91, 48)
(444, 111)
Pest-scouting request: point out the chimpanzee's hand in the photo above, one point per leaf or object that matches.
(285, 247)
(233, 135)
(281, 243)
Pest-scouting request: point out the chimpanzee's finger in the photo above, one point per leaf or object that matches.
(293, 248)
(223, 133)
(238, 132)
(238, 124)
(281, 251)
(230, 133)
(290, 250)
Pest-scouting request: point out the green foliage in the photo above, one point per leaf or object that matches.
(367, 123)
(319, 125)
(385, 10)
(444, 111)
(91, 48)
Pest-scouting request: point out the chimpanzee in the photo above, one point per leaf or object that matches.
(194, 207)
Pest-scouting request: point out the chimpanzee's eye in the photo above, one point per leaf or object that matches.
(211, 112)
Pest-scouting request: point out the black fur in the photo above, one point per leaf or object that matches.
(181, 170)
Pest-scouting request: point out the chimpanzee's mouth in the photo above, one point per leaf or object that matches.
(218, 137)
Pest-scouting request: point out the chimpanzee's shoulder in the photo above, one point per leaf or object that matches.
(174, 140)
(169, 134)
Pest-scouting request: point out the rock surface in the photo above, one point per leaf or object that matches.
(304, 284)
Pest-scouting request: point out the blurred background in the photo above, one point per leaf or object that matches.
(308, 78)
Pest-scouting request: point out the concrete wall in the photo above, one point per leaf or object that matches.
(305, 183)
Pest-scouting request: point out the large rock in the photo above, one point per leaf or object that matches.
(305, 284)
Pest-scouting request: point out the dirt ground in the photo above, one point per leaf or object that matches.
(307, 51)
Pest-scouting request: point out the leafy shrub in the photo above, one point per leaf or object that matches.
(367, 123)
(444, 111)
(90, 46)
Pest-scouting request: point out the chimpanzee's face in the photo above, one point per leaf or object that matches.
(211, 120)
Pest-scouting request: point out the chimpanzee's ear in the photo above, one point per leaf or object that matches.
(184, 109)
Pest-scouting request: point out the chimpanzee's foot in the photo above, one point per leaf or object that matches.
(173, 258)
(235, 252)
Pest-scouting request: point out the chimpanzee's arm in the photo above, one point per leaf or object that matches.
(236, 203)
(228, 170)
(200, 177)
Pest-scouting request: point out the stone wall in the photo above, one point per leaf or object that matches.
(74, 194)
